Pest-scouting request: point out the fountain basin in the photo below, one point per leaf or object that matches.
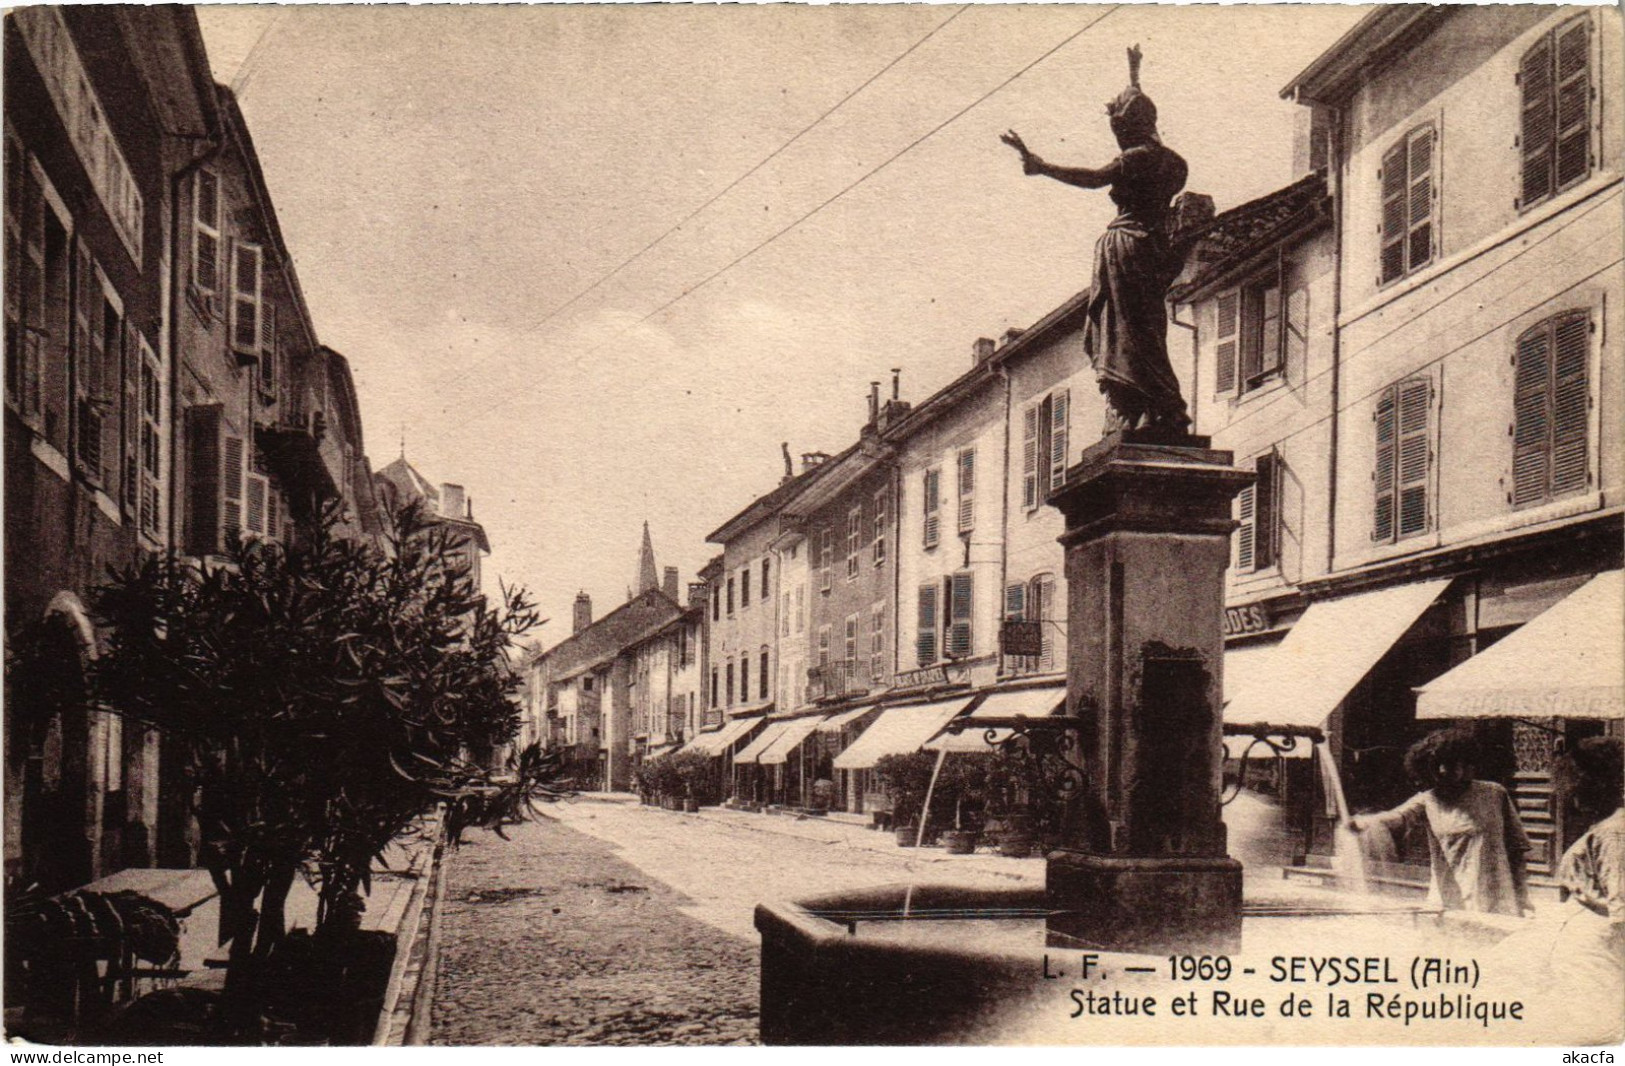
(939, 964)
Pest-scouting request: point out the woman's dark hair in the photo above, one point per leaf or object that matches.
(1446, 747)
(1594, 770)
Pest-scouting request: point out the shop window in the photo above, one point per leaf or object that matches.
(1551, 410)
(1554, 87)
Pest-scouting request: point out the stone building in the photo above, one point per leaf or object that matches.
(1414, 346)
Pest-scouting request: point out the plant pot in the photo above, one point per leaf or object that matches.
(1016, 845)
(907, 835)
(691, 806)
(960, 841)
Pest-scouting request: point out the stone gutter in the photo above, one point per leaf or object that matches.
(403, 1018)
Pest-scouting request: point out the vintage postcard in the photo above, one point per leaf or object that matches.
(660, 525)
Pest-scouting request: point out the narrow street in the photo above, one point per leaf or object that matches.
(609, 923)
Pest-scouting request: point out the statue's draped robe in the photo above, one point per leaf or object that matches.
(1126, 335)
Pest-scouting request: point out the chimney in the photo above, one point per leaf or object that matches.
(453, 504)
(981, 350)
(696, 594)
(874, 401)
(812, 459)
(582, 617)
(896, 383)
(1010, 335)
(789, 466)
(669, 584)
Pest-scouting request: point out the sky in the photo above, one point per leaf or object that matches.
(596, 263)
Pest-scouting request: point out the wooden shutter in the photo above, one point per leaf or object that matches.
(1531, 405)
(206, 231)
(1059, 408)
(933, 507)
(1246, 515)
(1394, 186)
(967, 489)
(1297, 331)
(1538, 121)
(1570, 403)
(1229, 325)
(245, 299)
(823, 645)
(960, 592)
(1382, 528)
(850, 642)
(1270, 329)
(1414, 446)
(1029, 457)
(1040, 605)
(1573, 151)
(877, 642)
(256, 507)
(878, 550)
(1015, 603)
(269, 354)
(826, 558)
(925, 634)
(854, 540)
(763, 675)
(1419, 234)
(1266, 510)
(273, 513)
(129, 363)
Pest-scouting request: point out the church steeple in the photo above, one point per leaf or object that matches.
(648, 575)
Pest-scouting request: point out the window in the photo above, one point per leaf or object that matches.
(925, 629)
(854, 537)
(763, 674)
(1258, 332)
(826, 558)
(97, 333)
(215, 473)
(715, 690)
(877, 548)
(957, 641)
(801, 607)
(245, 300)
(1044, 447)
(1041, 609)
(1554, 82)
(966, 466)
(730, 681)
(1408, 198)
(206, 231)
(1258, 508)
(586, 683)
(933, 507)
(25, 283)
(744, 587)
(730, 596)
(823, 645)
(784, 616)
(765, 573)
(744, 678)
(877, 641)
(1403, 460)
(851, 646)
(716, 605)
(1551, 410)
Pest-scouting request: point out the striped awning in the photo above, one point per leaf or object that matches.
(789, 739)
(837, 722)
(718, 741)
(753, 751)
(1566, 662)
(898, 731)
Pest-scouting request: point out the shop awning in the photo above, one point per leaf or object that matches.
(660, 750)
(1566, 662)
(1032, 702)
(1328, 651)
(1245, 665)
(753, 751)
(898, 731)
(718, 741)
(837, 722)
(794, 733)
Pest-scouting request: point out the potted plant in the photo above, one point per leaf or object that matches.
(962, 785)
(906, 779)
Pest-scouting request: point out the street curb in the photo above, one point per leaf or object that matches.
(398, 1015)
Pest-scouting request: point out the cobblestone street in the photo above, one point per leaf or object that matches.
(611, 923)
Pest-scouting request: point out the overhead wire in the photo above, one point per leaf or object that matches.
(754, 249)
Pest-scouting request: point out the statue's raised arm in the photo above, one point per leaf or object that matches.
(1126, 329)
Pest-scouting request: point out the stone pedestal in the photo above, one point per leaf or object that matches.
(1147, 542)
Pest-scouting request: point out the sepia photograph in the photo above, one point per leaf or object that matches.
(651, 525)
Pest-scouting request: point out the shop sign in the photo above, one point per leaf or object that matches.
(1252, 618)
(1021, 638)
(921, 678)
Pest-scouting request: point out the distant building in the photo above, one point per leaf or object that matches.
(447, 507)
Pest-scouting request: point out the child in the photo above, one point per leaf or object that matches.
(1475, 841)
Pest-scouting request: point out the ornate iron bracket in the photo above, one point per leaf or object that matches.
(1278, 739)
(1052, 741)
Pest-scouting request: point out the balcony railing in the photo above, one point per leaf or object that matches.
(836, 679)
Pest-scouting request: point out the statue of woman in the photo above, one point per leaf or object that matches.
(1126, 331)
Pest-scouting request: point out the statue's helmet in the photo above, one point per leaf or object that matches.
(1133, 117)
